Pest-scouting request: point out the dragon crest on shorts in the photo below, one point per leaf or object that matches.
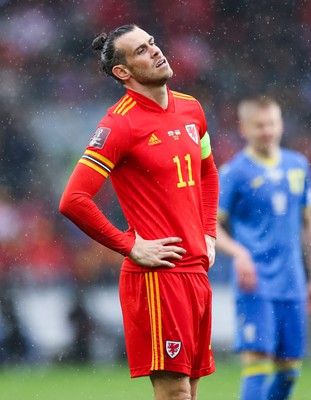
(172, 348)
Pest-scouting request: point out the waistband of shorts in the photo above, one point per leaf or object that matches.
(194, 269)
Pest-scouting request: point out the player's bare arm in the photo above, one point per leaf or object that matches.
(244, 265)
(156, 253)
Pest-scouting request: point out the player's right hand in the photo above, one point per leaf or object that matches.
(246, 270)
(156, 253)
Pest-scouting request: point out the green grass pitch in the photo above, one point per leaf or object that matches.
(113, 383)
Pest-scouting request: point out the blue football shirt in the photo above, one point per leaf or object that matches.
(264, 204)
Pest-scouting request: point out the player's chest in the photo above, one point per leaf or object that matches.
(166, 140)
(274, 188)
(267, 180)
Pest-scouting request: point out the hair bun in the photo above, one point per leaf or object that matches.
(99, 41)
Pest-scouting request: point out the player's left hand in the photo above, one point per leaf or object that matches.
(210, 244)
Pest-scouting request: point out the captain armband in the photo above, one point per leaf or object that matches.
(205, 146)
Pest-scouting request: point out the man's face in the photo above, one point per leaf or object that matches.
(145, 61)
(262, 127)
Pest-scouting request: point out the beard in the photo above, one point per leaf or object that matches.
(149, 79)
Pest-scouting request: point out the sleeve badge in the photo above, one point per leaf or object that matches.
(99, 137)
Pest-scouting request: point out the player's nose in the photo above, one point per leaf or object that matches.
(155, 51)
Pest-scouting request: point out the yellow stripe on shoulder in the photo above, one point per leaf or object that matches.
(133, 104)
(183, 96)
(125, 107)
(121, 102)
(93, 166)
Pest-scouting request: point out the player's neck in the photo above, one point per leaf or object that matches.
(267, 156)
(267, 153)
(156, 93)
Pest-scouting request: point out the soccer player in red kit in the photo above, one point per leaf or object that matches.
(154, 145)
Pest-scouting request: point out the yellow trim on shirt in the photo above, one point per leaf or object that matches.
(123, 108)
(182, 96)
(95, 167)
(128, 108)
(100, 157)
(120, 104)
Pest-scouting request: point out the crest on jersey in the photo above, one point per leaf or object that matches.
(193, 132)
(99, 137)
(172, 348)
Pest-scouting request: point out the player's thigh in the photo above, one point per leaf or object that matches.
(255, 326)
(163, 316)
(170, 385)
(136, 321)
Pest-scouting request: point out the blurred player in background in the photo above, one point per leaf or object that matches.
(154, 145)
(265, 196)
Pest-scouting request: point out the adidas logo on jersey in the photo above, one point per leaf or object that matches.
(154, 140)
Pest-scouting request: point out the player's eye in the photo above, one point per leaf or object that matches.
(141, 50)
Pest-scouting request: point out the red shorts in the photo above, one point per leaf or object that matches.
(167, 322)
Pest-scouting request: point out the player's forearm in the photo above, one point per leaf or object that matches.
(226, 244)
(306, 239)
(210, 194)
(84, 213)
(77, 204)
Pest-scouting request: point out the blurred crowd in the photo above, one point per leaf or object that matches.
(52, 96)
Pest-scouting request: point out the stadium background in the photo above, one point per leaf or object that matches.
(58, 290)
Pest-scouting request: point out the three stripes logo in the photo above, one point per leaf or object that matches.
(154, 140)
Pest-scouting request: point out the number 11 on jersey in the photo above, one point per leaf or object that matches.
(181, 182)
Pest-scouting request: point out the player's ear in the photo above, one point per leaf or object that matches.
(242, 129)
(121, 71)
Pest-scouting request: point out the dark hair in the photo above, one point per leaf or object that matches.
(109, 55)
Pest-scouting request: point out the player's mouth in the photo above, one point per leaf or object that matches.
(161, 63)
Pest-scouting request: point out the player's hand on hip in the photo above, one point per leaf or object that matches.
(246, 270)
(210, 244)
(156, 253)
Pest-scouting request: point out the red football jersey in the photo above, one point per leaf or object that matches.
(153, 157)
